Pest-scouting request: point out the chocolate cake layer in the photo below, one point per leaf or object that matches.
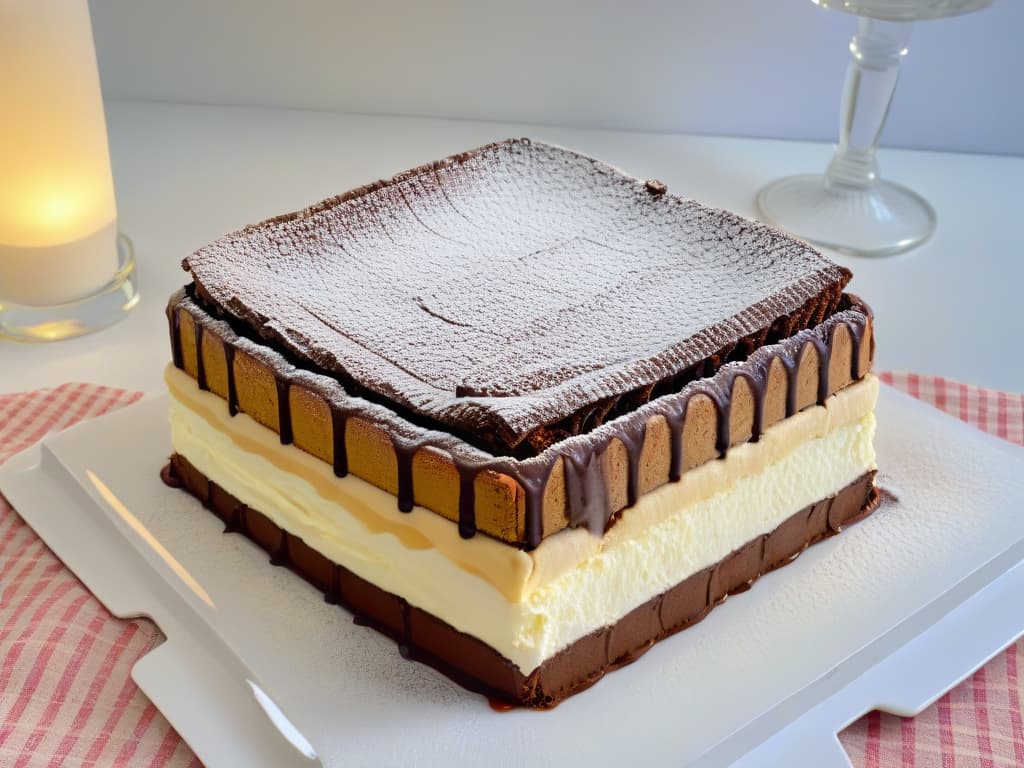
(580, 481)
(515, 294)
(477, 666)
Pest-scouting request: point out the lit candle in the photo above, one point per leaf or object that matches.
(58, 218)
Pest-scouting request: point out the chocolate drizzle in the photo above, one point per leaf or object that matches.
(633, 438)
(533, 486)
(791, 360)
(721, 396)
(339, 421)
(675, 416)
(405, 453)
(758, 382)
(824, 358)
(284, 411)
(467, 501)
(229, 361)
(791, 364)
(174, 318)
(200, 363)
(588, 497)
(856, 339)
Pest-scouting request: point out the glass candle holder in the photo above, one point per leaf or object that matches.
(65, 269)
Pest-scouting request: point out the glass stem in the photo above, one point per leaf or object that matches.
(871, 78)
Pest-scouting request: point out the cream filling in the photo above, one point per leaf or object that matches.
(529, 606)
(513, 572)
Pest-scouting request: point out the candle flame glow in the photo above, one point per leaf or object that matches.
(55, 182)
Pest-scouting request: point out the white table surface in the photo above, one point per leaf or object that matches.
(186, 174)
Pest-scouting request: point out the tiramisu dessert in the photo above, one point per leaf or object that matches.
(520, 411)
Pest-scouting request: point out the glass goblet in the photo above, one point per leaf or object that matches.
(850, 208)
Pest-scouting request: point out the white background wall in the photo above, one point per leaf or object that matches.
(740, 67)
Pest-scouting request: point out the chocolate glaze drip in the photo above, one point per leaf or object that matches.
(583, 474)
(200, 364)
(791, 364)
(587, 499)
(586, 496)
(675, 416)
(824, 358)
(588, 503)
(533, 486)
(791, 360)
(467, 501)
(284, 412)
(721, 395)
(857, 339)
(229, 360)
(339, 421)
(174, 320)
(633, 438)
(758, 383)
(404, 453)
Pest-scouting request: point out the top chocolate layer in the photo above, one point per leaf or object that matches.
(510, 287)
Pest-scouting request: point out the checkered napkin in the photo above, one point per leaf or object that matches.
(978, 723)
(67, 697)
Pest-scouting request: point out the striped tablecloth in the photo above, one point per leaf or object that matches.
(67, 698)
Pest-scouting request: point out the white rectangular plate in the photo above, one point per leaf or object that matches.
(889, 614)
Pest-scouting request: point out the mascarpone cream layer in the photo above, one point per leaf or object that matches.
(530, 605)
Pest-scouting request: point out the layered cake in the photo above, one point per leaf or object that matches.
(522, 412)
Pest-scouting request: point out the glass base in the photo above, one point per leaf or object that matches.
(111, 303)
(878, 220)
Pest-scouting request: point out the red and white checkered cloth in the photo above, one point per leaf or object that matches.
(978, 723)
(67, 698)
